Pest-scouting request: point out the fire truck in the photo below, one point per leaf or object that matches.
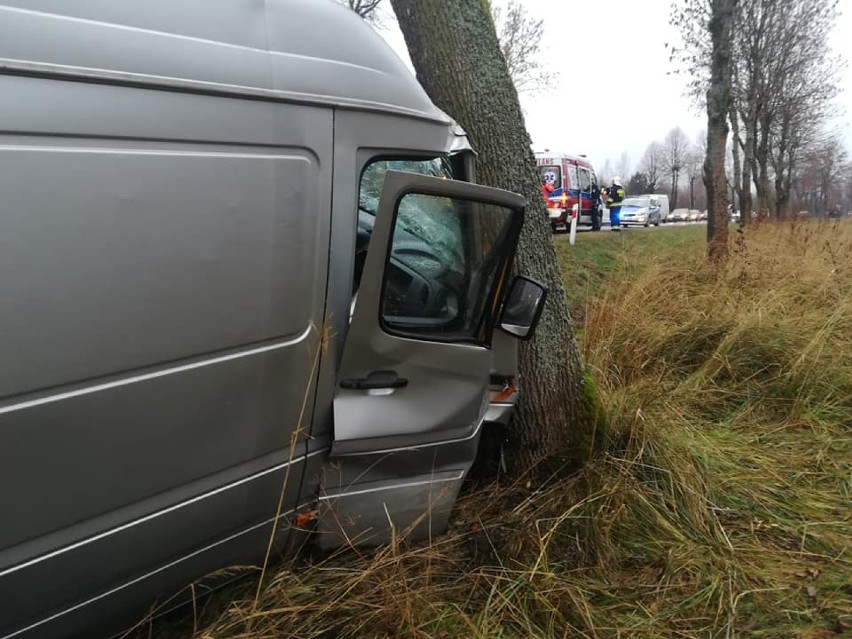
(571, 178)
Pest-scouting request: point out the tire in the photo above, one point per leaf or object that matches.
(488, 464)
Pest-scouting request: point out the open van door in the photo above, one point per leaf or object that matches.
(415, 365)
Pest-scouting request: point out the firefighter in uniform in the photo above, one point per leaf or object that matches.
(615, 195)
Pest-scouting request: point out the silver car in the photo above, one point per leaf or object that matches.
(640, 211)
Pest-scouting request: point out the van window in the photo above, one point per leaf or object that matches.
(370, 191)
(585, 181)
(573, 180)
(551, 174)
(443, 262)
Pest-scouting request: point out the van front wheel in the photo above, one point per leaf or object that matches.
(489, 463)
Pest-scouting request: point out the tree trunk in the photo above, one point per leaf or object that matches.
(454, 48)
(746, 204)
(718, 107)
(735, 152)
(790, 161)
(761, 176)
(673, 197)
(780, 167)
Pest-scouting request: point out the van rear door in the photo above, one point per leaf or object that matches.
(415, 366)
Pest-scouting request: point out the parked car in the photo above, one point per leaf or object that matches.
(679, 215)
(694, 215)
(640, 211)
(248, 290)
(572, 178)
(703, 215)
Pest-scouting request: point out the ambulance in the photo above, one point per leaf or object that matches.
(571, 178)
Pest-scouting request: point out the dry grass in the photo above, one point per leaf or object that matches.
(720, 507)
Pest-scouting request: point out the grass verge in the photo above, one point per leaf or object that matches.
(718, 508)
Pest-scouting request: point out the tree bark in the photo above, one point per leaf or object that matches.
(456, 53)
(674, 191)
(761, 175)
(691, 191)
(782, 196)
(746, 204)
(735, 152)
(718, 107)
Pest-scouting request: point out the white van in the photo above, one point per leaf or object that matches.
(246, 284)
(662, 201)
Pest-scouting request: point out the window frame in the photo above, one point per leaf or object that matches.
(585, 179)
(559, 177)
(459, 161)
(485, 324)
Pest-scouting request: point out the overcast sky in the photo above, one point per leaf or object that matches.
(614, 91)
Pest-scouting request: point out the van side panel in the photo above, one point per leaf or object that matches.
(135, 249)
(163, 264)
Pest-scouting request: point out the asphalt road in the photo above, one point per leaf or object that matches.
(606, 227)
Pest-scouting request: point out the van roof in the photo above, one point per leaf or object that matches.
(566, 156)
(309, 51)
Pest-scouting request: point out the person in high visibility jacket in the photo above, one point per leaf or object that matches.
(614, 198)
(547, 189)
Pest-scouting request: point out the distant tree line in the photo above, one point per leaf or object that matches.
(671, 166)
(782, 77)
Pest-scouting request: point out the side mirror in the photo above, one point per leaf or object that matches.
(522, 308)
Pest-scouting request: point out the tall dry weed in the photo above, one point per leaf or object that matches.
(719, 506)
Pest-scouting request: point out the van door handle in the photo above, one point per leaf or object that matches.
(376, 379)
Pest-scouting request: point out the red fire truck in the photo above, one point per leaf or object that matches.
(572, 178)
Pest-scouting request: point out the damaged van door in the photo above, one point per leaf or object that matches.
(413, 381)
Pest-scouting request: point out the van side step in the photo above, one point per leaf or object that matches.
(371, 513)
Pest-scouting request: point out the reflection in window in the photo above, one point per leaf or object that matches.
(444, 260)
(373, 178)
(370, 192)
(572, 177)
(585, 181)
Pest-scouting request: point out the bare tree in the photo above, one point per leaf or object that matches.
(606, 172)
(802, 93)
(693, 168)
(821, 182)
(520, 36)
(846, 199)
(675, 149)
(364, 8)
(783, 80)
(651, 165)
(623, 168)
